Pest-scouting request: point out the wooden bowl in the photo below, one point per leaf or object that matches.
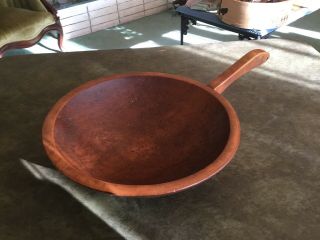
(141, 134)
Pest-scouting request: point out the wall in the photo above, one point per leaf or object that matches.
(101, 14)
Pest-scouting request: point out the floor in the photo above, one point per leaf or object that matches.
(164, 29)
(159, 30)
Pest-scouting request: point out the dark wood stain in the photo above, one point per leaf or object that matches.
(145, 134)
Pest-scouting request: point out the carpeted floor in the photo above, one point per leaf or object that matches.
(159, 30)
(269, 191)
(163, 29)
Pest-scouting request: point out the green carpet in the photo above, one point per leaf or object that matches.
(269, 191)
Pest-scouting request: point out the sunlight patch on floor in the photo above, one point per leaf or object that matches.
(50, 45)
(126, 32)
(70, 46)
(266, 70)
(190, 38)
(37, 49)
(299, 31)
(146, 44)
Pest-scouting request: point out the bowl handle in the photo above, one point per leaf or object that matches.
(245, 64)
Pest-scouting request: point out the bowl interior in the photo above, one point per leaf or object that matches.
(141, 130)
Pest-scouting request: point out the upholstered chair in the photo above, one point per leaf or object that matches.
(24, 22)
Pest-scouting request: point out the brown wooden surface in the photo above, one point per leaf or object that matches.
(143, 134)
(249, 61)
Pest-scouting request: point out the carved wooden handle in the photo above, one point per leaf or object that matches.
(245, 64)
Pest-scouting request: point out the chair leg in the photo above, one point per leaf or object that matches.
(60, 39)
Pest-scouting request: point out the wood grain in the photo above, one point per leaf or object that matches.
(142, 134)
(245, 64)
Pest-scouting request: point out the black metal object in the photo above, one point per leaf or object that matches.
(177, 3)
(185, 21)
(189, 15)
(184, 28)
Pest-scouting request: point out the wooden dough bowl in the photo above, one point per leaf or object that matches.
(146, 134)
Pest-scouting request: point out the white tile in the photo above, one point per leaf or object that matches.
(103, 11)
(154, 4)
(156, 10)
(78, 33)
(105, 18)
(74, 19)
(101, 4)
(147, 1)
(105, 25)
(129, 4)
(131, 11)
(106, 13)
(122, 1)
(72, 11)
(76, 26)
(132, 17)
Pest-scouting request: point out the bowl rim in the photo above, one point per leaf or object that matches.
(64, 163)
